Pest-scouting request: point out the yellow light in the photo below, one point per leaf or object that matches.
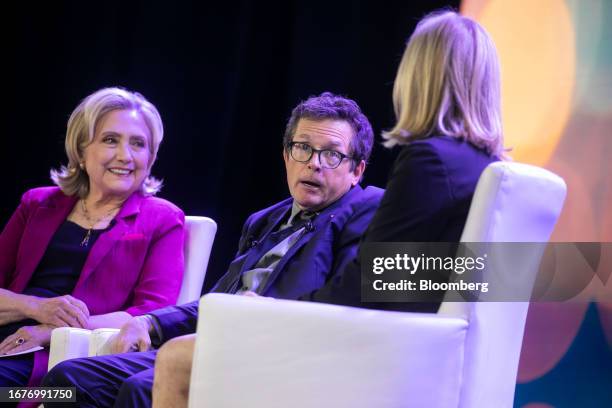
(536, 45)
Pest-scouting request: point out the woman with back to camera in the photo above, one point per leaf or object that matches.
(98, 248)
(446, 98)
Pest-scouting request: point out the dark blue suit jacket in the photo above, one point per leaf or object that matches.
(319, 255)
(427, 199)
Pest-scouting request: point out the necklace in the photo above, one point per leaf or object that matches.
(93, 222)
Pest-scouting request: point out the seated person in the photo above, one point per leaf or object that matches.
(288, 251)
(446, 97)
(97, 249)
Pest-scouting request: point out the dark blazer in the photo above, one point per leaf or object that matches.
(311, 263)
(427, 199)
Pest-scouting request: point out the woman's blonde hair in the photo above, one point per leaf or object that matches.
(72, 179)
(448, 83)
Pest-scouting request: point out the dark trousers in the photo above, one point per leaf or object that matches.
(16, 371)
(118, 380)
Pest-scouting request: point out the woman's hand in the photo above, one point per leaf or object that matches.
(58, 311)
(10, 317)
(26, 338)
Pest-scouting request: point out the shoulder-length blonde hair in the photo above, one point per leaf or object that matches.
(72, 179)
(448, 83)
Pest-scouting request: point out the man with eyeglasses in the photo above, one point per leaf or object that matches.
(294, 249)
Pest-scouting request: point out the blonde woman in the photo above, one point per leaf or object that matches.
(447, 103)
(97, 248)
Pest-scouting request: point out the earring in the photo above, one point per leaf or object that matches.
(82, 165)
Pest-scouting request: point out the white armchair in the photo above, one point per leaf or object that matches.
(200, 235)
(272, 353)
(68, 342)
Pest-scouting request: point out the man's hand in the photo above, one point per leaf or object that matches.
(57, 311)
(26, 337)
(133, 336)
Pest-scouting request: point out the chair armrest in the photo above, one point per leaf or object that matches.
(98, 345)
(277, 353)
(199, 238)
(67, 343)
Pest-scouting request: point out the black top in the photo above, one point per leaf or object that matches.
(429, 192)
(59, 269)
(427, 199)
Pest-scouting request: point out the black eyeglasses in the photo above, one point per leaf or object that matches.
(302, 152)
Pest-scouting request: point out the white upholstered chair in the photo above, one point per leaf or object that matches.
(267, 353)
(68, 342)
(200, 235)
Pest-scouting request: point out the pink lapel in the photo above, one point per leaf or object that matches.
(109, 239)
(37, 235)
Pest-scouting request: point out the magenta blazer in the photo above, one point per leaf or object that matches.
(136, 266)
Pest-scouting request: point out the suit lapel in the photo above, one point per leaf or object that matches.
(43, 225)
(320, 223)
(304, 238)
(258, 251)
(109, 239)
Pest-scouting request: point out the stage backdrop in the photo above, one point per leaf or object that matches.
(225, 76)
(556, 58)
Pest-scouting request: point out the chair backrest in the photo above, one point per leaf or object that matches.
(513, 202)
(199, 237)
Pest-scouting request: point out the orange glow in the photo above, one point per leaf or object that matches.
(536, 45)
